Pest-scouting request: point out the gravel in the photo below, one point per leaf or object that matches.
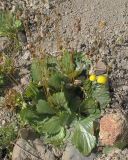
(7, 116)
(115, 155)
(54, 24)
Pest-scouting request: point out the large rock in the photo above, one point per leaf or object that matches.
(31, 150)
(113, 129)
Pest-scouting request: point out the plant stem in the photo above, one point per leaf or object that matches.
(12, 78)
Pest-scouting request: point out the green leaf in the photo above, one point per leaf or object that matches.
(90, 102)
(8, 29)
(36, 71)
(51, 126)
(59, 101)
(82, 61)
(8, 134)
(40, 71)
(89, 106)
(102, 95)
(7, 20)
(83, 137)
(64, 117)
(58, 138)
(56, 81)
(43, 107)
(74, 74)
(28, 115)
(32, 91)
(67, 65)
(87, 85)
(108, 149)
(88, 123)
(18, 24)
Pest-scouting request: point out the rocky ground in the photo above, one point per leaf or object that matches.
(99, 28)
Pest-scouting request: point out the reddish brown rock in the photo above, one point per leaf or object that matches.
(113, 128)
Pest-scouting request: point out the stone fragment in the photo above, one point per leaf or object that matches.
(113, 129)
(22, 37)
(100, 68)
(71, 153)
(4, 43)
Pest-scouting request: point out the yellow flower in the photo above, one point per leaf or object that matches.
(92, 77)
(102, 79)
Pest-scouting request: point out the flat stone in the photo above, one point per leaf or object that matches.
(35, 150)
(71, 153)
(22, 37)
(100, 68)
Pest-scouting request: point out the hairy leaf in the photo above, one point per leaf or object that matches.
(43, 107)
(32, 91)
(36, 71)
(51, 126)
(64, 117)
(28, 115)
(101, 94)
(88, 88)
(89, 106)
(58, 138)
(59, 101)
(83, 137)
(56, 81)
(67, 66)
(40, 71)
